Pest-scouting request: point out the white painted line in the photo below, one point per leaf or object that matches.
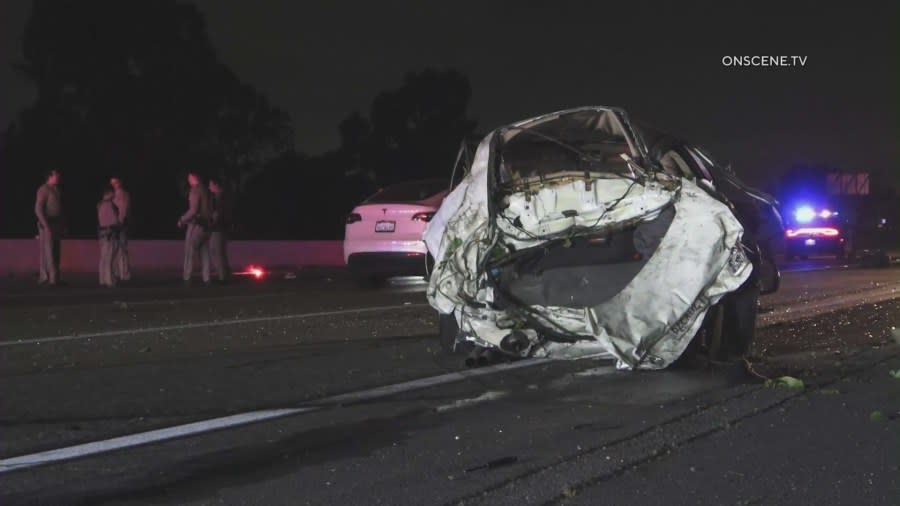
(183, 300)
(450, 377)
(814, 268)
(188, 300)
(153, 436)
(195, 428)
(198, 325)
(466, 403)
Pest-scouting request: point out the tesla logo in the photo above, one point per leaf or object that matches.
(384, 210)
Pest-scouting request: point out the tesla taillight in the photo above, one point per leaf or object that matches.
(353, 218)
(423, 216)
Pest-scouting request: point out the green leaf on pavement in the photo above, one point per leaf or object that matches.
(896, 374)
(786, 381)
(876, 416)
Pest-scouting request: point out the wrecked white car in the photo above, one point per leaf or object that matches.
(571, 237)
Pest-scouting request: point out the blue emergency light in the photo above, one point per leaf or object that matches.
(804, 214)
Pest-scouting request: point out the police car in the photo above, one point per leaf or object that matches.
(815, 231)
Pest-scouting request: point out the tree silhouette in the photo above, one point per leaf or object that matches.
(136, 89)
(414, 131)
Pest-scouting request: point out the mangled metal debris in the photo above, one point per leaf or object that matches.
(567, 239)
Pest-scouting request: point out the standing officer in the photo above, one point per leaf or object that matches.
(197, 220)
(49, 212)
(218, 240)
(122, 200)
(107, 234)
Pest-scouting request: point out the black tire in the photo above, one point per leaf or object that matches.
(768, 274)
(706, 343)
(713, 326)
(448, 331)
(739, 325)
(690, 356)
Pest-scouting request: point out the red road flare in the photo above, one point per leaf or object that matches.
(253, 270)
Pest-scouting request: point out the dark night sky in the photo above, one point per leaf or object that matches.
(662, 63)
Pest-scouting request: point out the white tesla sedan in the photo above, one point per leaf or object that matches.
(383, 235)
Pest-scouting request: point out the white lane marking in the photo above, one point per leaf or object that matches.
(107, 302)
(163, 302)
(218, 323)
(186, 300)
(398, 291)
(814, 268)
(465, 403)
(597, 371)
(195, 428)
(153, 436)
(449, 377)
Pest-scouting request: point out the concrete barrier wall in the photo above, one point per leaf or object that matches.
(20, 256)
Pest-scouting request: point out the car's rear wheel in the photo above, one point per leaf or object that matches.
(707, 341)
(728, 329)
(448, 333)
(739, 322)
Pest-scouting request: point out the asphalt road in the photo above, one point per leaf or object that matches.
(354, 403)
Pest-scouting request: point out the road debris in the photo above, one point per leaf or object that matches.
(786, 381)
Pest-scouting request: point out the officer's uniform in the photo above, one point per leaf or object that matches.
(121, 267)
(196, 239)
(48, 209)
(108, 236)
(218, 234)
